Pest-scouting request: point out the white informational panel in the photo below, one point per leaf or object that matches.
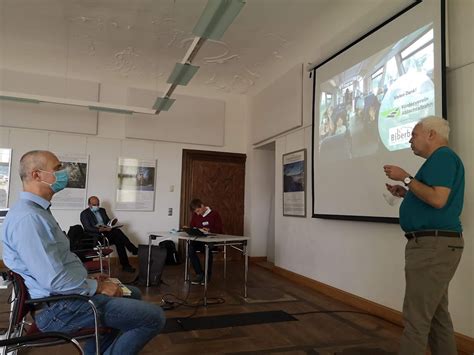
(44, 116)
(190, 120)
(135, 185)
(278, 107)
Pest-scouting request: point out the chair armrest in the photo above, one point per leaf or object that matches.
(37, 340)
(77, 297)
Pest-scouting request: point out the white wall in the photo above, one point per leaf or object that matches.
(367, 259)
(104, 150)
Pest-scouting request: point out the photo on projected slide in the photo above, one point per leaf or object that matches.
(372, 107)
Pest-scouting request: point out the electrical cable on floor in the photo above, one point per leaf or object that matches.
(176, 302)
(347, 311)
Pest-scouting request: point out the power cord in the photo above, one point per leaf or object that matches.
(345, 311)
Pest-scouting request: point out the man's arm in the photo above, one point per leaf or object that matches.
(435, 196)
(42, 249)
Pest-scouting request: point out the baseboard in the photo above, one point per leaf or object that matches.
(465, 343)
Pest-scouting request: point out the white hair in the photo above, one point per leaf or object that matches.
(437, 124)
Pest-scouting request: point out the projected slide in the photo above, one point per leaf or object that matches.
(373, 106)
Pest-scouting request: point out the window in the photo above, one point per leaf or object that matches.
(419, 55)
(376, 80)
(5, 158)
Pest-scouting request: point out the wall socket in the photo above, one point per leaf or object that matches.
(170, 211)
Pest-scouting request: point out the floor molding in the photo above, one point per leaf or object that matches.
(465, 343)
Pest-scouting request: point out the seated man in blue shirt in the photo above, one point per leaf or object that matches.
(95, 219)
(35, 247)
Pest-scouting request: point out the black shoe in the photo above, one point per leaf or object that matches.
(198, 280)
(128, 268)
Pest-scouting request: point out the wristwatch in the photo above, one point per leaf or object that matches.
(407, 180)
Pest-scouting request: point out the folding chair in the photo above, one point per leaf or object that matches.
(24, 333)
(94, 251)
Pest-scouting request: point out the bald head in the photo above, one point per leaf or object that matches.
(34, 160)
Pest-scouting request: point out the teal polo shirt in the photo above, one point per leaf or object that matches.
(442, 168)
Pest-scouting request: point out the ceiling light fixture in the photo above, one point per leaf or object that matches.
(214, 21)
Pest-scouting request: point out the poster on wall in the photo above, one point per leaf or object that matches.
(135, 185)
(294, 183)
(74, 195)
(5, 164)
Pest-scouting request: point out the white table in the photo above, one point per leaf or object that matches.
(225, 240)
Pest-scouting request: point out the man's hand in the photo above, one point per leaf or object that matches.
(396, 190)
(395, 172)
(100, 277)
(104, 229)
(108, 288)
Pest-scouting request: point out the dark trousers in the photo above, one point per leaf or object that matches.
(198, 246)
(122, 244)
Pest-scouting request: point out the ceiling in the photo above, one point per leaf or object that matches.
(138, 42)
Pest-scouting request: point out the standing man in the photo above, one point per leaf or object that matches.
(35, 247)
(95, 219)
(430, 217)
(210, 221)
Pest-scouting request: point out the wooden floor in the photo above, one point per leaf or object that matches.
(323, 325)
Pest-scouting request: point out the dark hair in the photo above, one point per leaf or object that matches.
(195, 203)
(90, 198)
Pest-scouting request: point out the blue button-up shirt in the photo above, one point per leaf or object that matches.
(35, 247)
(100, 220)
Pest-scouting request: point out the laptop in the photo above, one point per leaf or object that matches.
(196, 232)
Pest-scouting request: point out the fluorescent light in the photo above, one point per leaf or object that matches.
(93, 105)
(163, 103)
(18, 99)
(109, 109)
(217, 17)
(182, 74)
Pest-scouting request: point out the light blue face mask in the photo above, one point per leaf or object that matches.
(94, 208)
(62, 178)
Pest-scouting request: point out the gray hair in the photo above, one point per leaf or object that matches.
(34, 159)
(437, 124)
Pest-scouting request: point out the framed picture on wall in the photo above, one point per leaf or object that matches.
(135, 185)
(294, 183)
(74, 195)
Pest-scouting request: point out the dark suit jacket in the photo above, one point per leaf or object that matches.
(89, 220)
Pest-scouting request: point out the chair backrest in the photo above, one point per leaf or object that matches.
(78, 239)
(19, 297)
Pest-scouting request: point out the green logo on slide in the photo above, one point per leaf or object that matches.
(407, 101)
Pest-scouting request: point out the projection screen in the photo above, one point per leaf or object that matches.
(366, 100)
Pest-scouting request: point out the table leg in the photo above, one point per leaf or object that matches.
(206, 269)
(186, 262)
(225, 260)
(149, 262)
(246, 267)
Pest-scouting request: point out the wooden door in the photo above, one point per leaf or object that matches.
(218, 179)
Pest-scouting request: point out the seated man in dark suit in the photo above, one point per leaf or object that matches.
(95, 219)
